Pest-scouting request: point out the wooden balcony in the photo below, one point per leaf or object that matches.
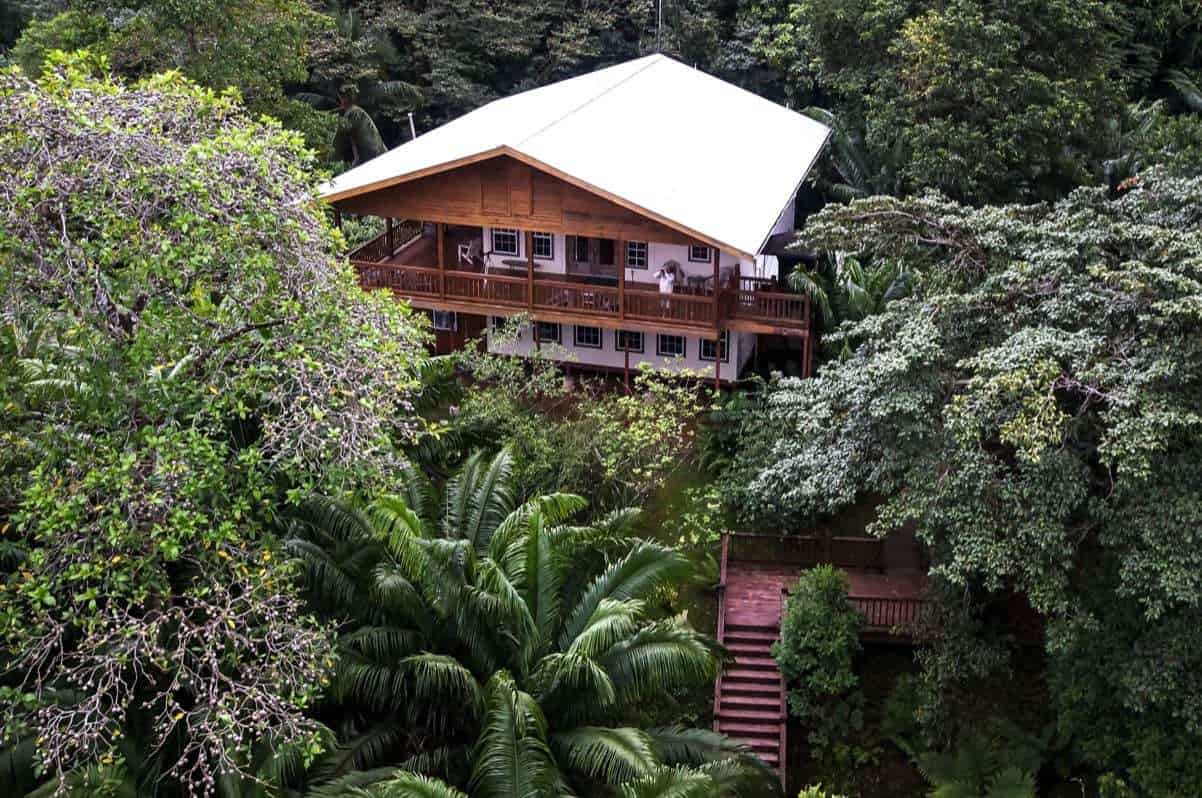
(410, 270)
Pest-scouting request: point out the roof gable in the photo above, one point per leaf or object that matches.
(655, 135)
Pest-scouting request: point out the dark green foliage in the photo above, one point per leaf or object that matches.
(819, 641)
(1032, 411)
(180, 347)
(497, 631)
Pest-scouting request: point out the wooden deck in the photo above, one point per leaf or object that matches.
(410, 269)
(886, 583)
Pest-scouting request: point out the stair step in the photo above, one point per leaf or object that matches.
(758, 648)
(755, 662)
(754, 701)
(768, 758)
(760, 746)
(734, 688)
(748, 715)
(751, 633)
(738, 674)
(770, 731)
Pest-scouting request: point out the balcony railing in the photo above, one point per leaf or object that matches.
(742, 298)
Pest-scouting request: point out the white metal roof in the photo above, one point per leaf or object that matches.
(680, 144)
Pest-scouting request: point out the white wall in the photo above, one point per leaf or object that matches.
(608, 356)
(657, 255)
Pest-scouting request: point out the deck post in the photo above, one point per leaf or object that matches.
(530, 270)
(716, 286)
(718, 364)
(338, 218)
(388, 236)
(439, 237)
(626, 368)
(622, 282)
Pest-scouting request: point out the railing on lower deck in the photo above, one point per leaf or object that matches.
(577, 297)
(807, 550)
(770, 306)
(491, 288)
(883, 614)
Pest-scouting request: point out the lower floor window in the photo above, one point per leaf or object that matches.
(546, 332)
(589, 337)
(445, 320)
(723, 346)
(670, 345)
(628, 341)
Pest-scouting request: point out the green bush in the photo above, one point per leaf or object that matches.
(819, 641)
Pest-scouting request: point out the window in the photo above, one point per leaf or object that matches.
(670, 345)
(546, 332)
(504, 242)
(544, 245)
(497, 322)
(697, 254)
(628, 341)
(636, 254)
(581, 249)
(445, 320)
(589, 337)
(605, 251)
(723, 343)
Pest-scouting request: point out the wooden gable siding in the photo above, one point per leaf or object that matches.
(504, 192)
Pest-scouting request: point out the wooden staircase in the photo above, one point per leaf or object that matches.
(750, 699)
(749, 696)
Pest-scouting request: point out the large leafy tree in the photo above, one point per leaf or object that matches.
(255, 46)
(181, 347)
(1032, 410)
(496, 643)
(987, 101)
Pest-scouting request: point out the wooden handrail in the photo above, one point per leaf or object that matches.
(783, 757)
(721, 632)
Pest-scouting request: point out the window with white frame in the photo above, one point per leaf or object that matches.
(546, 332)
(543, 245)
(588, 337)
(636, 254)
(723, 345)
(581, 252)
(699, 254)
(670, 345)
(445, 320)
(504, 241)
(498, 323)
(628, 340)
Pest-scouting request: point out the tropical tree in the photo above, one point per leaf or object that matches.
(500, 638)
(1031, 411)
(181, 348)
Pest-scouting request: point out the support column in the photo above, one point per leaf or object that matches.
(530, 270)
(622, 287)
(388, 242)
(718, 363)
(717, 288)
(626, 369)
(439, 241)
(338, 218)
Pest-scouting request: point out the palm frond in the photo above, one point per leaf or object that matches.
(670, 783)
(1186, 88)
(658, 655)
(612, 756)
(681, 745)
(412, 785)
(443, 680)
(645, 569)
(511, 758)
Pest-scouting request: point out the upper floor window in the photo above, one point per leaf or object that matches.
(543, 245)
(504, 241)
(699, 254)
(582, 249)
(722, 344)
(636, 254)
